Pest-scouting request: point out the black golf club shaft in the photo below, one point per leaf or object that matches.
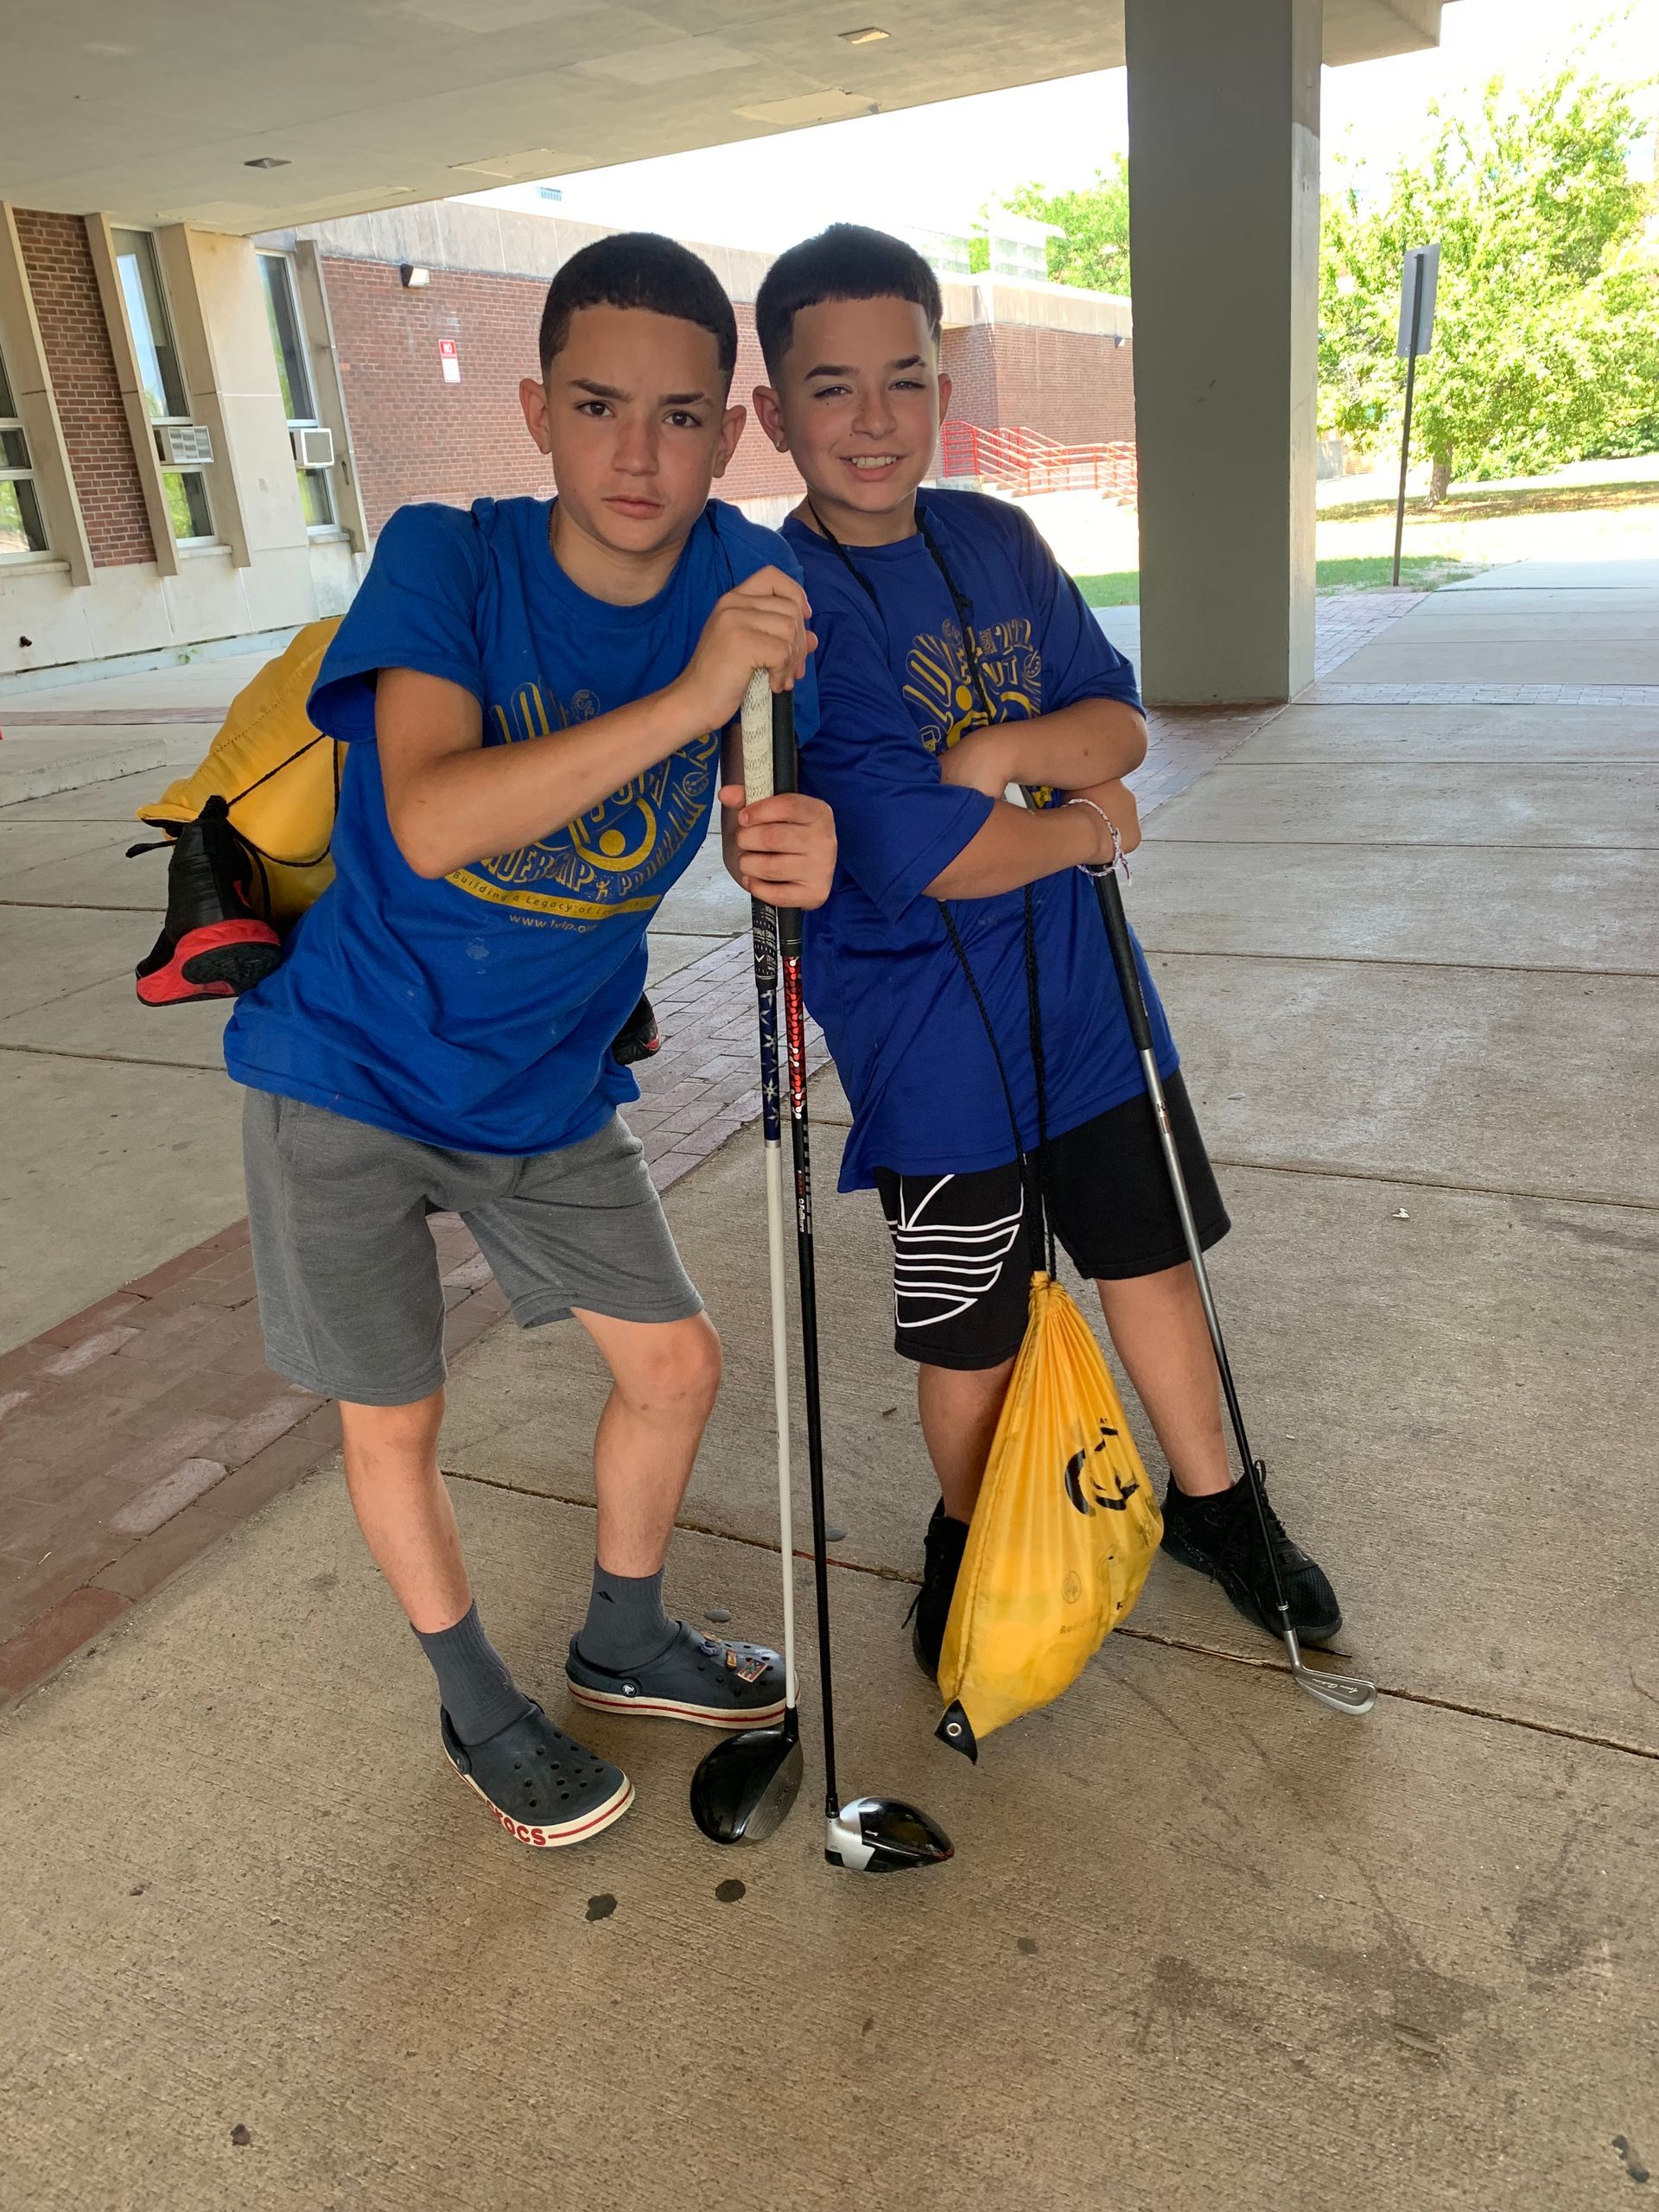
(1134, 1005)
(789, 951)
(764, 919)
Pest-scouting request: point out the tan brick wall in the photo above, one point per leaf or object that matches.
(416, 437)
(64, 286)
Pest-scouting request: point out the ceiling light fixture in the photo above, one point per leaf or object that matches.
(268, 161)
(868, 36)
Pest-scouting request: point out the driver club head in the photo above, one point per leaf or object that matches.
(1350, 1694)
(883, 1836)
(742, 1790)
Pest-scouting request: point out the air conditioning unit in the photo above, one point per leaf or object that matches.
(313, 448)
(184, 445)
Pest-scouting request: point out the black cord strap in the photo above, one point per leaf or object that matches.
(1030, 1169)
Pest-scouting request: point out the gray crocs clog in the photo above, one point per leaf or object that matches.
(699, 1678)
(543, 1788)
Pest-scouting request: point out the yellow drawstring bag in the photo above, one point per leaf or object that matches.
(1066, 1526)
(1064, 1533)
(278, 775)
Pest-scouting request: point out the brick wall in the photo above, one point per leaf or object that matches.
(968, 358)
(64, 286)
(1071, 385)
(416, 437)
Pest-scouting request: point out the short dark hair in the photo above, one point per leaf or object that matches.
(846, 262)
(640, 269)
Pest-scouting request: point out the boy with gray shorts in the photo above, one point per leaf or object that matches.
(532, 696)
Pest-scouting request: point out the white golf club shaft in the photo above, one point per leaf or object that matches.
(758, 784)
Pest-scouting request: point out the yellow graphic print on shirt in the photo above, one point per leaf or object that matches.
(942, 691)
(607, 862)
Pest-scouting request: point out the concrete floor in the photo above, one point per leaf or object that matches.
(107, 1099)
(1203, 1944)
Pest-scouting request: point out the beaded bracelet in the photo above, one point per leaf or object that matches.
(1118, 859)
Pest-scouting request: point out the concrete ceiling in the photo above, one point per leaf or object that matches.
(152, 113)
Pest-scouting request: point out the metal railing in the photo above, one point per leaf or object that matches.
(1023, 460)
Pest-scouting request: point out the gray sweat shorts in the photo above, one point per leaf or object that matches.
(349, 1291)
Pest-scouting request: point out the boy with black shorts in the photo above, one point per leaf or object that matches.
(961, 949)
(532, 697)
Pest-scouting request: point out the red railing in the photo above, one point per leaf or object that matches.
(1023, 461)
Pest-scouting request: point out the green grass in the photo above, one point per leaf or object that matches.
(1355, 572)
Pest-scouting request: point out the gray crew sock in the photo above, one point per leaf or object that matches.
(625, 1625)
(475, 1682)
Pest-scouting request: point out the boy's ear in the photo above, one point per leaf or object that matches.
(944, 395)
(770, 411)
(532, 397)
(731, 430)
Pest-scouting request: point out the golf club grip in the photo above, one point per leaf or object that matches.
(1128, 975)
(755, 723)
(786, 777)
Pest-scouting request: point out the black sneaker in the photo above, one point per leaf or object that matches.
(637, 1037)
(214, 943)
(942, 1549)
(1221, 1538)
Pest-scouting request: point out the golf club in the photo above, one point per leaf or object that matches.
(1350, 1694)
(867, 1835)
(743, 1791)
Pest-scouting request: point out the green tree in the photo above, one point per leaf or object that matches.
(1546, 323)
(1095, 250)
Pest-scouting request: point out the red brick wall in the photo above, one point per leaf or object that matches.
(1070, 385)
(759, 471)
(416, 437)
(64, 284)
(967, 357)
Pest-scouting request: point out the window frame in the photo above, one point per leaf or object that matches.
(194, 543)
(26, 475)
(323, 478)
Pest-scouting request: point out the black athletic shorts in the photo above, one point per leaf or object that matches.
(962, 1256)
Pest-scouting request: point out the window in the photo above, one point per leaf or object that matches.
(294, 375)
(20, 528)
(159, 373)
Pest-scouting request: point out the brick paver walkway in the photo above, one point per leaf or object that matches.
(140, 1432)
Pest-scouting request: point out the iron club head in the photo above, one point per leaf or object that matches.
(883, 1836)
(1350, 1694)
(742, 1790)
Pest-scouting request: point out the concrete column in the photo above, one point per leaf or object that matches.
(1224, 235)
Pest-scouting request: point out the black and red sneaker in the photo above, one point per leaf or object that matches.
(213, 944)
(638, 1036)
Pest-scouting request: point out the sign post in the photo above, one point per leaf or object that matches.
(1416, 336)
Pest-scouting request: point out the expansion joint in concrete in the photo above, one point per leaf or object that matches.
(1402, 1179)
(110, 1060)
(1397, 960)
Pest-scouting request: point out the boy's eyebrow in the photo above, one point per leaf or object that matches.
(846, 368)
(615, 391)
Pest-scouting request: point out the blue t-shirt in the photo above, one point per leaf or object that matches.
(895, 692)
(477, 1012)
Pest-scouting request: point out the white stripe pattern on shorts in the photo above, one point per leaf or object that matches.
(942, 1268)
